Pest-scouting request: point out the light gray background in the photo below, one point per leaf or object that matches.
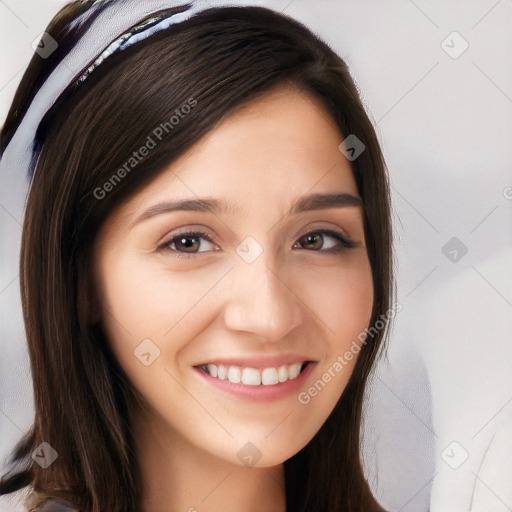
(439, 428)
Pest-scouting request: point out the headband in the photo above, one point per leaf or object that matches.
(115, 26)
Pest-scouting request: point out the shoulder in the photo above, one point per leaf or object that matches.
(54, 505)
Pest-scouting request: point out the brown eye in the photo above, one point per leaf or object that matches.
(189, 243)
(328, 241)
(312, 241)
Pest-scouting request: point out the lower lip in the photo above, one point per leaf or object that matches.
(265, 393)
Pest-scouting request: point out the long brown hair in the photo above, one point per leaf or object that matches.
(84, 403)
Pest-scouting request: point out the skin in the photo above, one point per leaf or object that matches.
(259, 160)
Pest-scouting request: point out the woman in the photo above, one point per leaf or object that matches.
(206, 252)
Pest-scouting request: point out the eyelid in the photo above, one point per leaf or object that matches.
(199, 230)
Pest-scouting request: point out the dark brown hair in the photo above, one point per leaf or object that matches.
(84, 403)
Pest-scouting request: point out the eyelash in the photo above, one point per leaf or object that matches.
(345, 243)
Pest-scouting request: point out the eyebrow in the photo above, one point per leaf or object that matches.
(302, 204)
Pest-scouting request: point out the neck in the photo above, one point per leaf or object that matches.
(178, 476)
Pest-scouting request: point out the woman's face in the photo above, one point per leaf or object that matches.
(235, 259)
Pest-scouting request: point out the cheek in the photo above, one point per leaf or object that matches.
(343, 299)
(131, 299)
(142, 300)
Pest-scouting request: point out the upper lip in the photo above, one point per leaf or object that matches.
(258, 361)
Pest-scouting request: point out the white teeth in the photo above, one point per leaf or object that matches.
(252, 376)
(294, 370)
(269, 376)
(221, 372)
(234, 374)
(282, 373)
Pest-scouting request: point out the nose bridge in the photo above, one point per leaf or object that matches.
(260, 301)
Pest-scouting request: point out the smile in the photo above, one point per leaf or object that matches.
(255, 377)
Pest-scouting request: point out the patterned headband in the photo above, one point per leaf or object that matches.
(115, 26)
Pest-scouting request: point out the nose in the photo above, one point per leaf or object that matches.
(262, 301)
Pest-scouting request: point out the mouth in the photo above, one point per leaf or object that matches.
(248, 376)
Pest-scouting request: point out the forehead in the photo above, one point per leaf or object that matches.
(265, 155)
